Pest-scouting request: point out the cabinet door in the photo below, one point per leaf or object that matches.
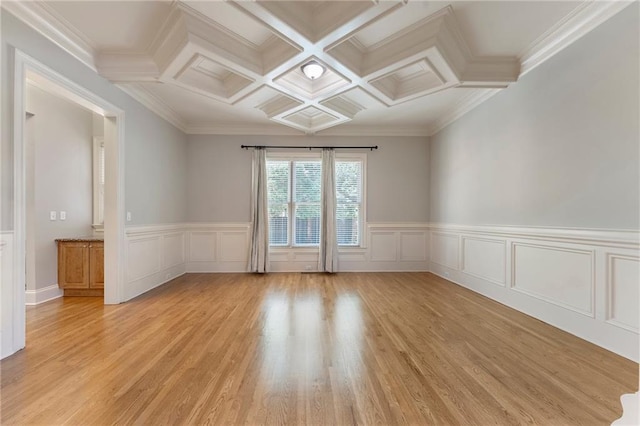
(96, 265)
(73, 265)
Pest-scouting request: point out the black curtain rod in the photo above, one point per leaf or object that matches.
(307, 147)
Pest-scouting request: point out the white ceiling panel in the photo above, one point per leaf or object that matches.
(197, 108)
(507, 27)
(114, 25)
(230, 17)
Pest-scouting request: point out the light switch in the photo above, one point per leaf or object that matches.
(63, 215)
(52, 215)
(128, 216)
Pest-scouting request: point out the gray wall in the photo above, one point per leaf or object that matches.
(61, 133)
(155, 151)
(219, 176)
(557, 148)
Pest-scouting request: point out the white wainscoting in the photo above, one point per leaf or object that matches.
(6, 293)
(387, 247)
(217, 247)
(585, 282)
(159, 253)
(155, 254)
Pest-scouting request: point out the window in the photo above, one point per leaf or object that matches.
(348, 202)
(98, 182)
(293, 187)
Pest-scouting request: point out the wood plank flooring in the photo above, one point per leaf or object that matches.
(377, 348)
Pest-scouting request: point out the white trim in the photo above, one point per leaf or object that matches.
(579, 22)
(149, 256)
(358, 130)
(43, 19)
(340, 130)
(605, 237)
(114, 213)
(610, 278)
(592, 286)
(98, 198)
(239, 129)
(6, 292)
(41, 295)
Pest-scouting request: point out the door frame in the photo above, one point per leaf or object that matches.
(14, 333)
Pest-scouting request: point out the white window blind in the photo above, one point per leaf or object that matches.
(306, 182)
(348, 202)
(278, 177)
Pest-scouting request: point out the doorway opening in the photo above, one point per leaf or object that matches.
(13, 300)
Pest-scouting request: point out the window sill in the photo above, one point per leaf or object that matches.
(345, 249)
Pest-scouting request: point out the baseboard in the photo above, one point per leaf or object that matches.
(41, 295)
(143, 285)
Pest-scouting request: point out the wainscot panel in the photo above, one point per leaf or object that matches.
(217, 247)
(485, 259)
(623, 290)
(155, 255)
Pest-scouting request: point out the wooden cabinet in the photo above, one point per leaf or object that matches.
(81, 267)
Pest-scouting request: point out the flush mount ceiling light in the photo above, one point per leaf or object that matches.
(312, 70)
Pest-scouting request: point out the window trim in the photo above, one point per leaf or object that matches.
(98, 199)
(340, 156)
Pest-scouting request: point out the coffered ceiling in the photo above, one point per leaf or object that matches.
(391, 67)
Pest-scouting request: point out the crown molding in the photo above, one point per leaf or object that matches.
(354, 130)
(155, 104)
(45, 21)
(241, 129)
(576, 24)
(248, 129)
(465, 105)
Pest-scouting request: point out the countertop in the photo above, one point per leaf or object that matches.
(79, 239)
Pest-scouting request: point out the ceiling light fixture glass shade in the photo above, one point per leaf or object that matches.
(312, 70)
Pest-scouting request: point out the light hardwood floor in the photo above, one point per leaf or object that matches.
(396, 348)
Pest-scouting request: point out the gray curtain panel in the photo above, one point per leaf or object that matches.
(328, 259)
(259, 248)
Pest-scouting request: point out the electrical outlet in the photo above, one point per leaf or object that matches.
(128, 216)
(52, 215)
(446, 274)
(307, 268)
(63, 215)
